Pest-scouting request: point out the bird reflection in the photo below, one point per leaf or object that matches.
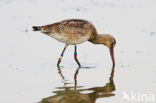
(76, 94)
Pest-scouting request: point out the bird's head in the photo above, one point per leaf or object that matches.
(107, 40)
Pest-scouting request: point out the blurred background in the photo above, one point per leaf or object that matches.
(28, 71)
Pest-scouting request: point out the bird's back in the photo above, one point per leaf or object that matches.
(71, 31)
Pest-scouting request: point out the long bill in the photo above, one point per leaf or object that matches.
(112, 56)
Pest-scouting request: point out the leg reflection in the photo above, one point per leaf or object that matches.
(76, 94)
(75, 77)
(60, 72)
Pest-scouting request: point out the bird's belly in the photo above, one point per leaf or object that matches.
(69, 39)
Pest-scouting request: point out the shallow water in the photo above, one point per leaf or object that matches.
(81, 94)
(28, 71)
(49, 84)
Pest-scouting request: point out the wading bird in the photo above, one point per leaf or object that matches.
(76, 31)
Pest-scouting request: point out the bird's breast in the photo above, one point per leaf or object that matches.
(71, 39)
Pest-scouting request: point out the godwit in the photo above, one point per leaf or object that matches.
(76, 31)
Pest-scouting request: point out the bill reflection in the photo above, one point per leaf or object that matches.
(76, 94)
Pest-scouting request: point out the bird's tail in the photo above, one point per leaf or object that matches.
(36, 28)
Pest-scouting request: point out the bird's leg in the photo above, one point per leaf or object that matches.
(60, 58)
(75, 57)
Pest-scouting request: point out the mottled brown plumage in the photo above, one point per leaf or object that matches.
(76, 31)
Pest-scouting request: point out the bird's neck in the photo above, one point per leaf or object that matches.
(98, 39)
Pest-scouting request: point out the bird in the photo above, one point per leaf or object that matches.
(74, 32)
